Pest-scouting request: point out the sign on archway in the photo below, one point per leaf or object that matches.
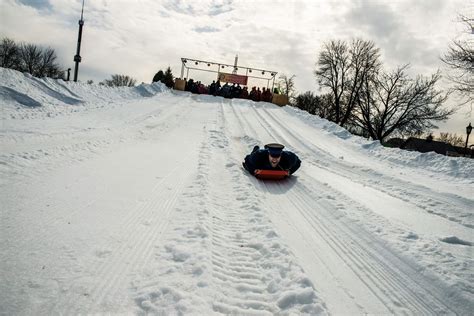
(232, 78)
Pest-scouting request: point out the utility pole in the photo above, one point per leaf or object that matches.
(77, 57)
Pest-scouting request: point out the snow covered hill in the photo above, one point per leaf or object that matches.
(133, 200)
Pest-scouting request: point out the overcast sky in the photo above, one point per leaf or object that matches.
(139, 37)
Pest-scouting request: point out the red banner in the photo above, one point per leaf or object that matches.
(224, 77)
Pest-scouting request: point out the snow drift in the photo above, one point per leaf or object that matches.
(133, 200)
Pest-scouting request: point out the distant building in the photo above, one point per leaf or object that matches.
(394, 142)
(429, 145)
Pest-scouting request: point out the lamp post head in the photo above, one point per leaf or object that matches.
(468, 129)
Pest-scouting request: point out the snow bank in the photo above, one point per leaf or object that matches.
(458, 167)
(21, 90)
(133, 201)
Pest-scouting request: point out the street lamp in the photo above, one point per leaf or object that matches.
(468, 131)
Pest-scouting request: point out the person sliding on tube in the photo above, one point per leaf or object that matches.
(272, 157)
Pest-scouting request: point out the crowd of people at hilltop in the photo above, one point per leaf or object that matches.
(230, 91)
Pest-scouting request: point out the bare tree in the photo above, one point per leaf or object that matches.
(452, 139)
(9, 54)
(332, 72)
(315, 104)
(30, 56)
(460, 58)
(343, 68)
(395, 103)
(287, 85)
(120, 81)
(48, 66)
(364, 66)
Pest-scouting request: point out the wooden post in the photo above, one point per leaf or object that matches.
(179, 84)
(280, 99)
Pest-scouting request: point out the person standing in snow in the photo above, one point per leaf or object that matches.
(272, 157)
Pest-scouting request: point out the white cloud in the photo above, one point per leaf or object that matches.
(140, 37)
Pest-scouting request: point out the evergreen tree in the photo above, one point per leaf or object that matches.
(168, 78)
(159, 76)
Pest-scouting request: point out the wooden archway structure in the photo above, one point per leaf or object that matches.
(188, 64)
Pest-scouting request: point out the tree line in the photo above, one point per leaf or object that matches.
(361, 95)
(31, 58)
(42, 62)
(117, 80)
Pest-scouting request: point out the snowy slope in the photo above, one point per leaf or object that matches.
(133, 200)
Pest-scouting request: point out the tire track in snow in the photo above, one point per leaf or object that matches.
(365, 259)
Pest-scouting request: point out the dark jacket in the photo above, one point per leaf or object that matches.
(259, 160)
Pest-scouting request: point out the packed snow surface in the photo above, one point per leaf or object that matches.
(134, 201)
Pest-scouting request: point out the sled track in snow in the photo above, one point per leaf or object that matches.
(141, 229)
(61, 148)
(161, 291)
(140, 238)
(391, 276)
(240, 243)
(234, 262)
(392, 279)
(412, 193)
(137, 239)
(196, 234)
(81, 151)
